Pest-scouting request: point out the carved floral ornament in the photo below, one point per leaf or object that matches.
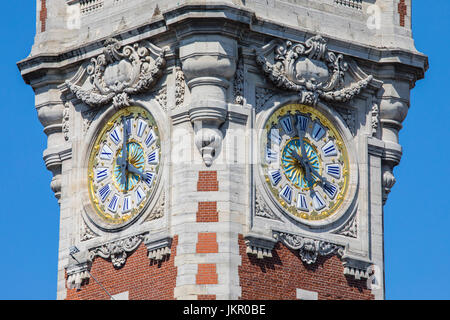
(120, 72)
(309, 69)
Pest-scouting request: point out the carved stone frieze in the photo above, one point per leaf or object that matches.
(119, 72)
(239, 83)
(350, 229)
(309, 249)
(158, 210)
(309, 69)
(117, 251)
(262, 95)
(261, 207)
(180, 85)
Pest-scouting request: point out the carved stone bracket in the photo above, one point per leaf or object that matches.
(78, 275)
(119, 72)
(356, 267)
(158, 249)
(117, 251)
(259, 246)
(309, 69)
(309, 249)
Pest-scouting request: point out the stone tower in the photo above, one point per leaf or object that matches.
(232, 149)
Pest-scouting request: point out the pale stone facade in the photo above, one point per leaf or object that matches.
(209, 99)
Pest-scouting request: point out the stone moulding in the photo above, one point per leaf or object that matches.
(120, 72)
(158, 249)
(309, 249)
(309, 69)
(77, 275)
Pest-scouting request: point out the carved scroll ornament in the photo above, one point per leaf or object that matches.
(309, 69)
(120, 72)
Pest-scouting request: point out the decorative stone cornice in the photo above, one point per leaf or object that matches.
(120, 72)
(78, 275)
(309, 69)
(308, 249)
(356, 267)
(159, 248)
(259, 246)
(117, 251)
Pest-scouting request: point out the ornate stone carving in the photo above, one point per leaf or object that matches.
(259, 246)
(117, 251)
(65, 124)
(261, 207)
(86, 233)
(120, 72)
(350, 229)
(179, 87)
(348, 116)
(88, 117)
(388, 181)
(239, 83)
(375, 118)
(158, 210)
(161, 97)
(309, 249)
(309, 69)
(262, 95)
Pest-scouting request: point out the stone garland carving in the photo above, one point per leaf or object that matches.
(66, 118)
(309, 69)
(117, 251)
(375, 119)
(239, 83)
(120, 72)
(179, 87)
(158, 210)
(262, 209)
(350, 229)
(262, 95)
(309, 249)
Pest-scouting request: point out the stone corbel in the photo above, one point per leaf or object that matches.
(78, 275)
(159, 248)
(392, 111)
(259, 246)
(356, 267)
(209, 64)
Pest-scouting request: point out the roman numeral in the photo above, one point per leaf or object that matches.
(301, 202)
(140, 195)
(141, 127)
(149, 176)
(271, 155)
(274, 176)
(286, 194)
(317, 132)
(330, 189)
(318, 202)
(101, 174)
(302, 122)
(329, 149)
(153, 157)
(151, 138)
(115, 136)
(113, 203)
(126, 204)
(106, 153)
(104, 192)
(334, 170)
(286, 124)
(274, 137)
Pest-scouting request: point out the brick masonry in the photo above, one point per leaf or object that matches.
(207, 243)
(142, 278)
(207, 212)
(403, 11)
(279, 277)
(207, 274)
(43, 15)
(207, 181)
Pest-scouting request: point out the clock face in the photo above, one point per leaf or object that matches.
(124, 165)
(305, 163)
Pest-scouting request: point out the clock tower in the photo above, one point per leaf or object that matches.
(233, 149)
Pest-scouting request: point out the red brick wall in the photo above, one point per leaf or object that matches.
(43, 15)
(144, 279)
(207, 212)
(207, 274)
(402, 10)
(207, 243)
(207, 181)
(278, 278)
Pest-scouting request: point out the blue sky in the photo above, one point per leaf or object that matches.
(417, 215)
